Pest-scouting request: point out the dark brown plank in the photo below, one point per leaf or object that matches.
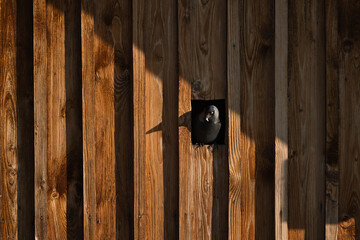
(306, 120)
(40, 118)
(332, 120)
(25, 110)
(349, 102)
(281, 120)
(8, 122)
(257, 119)
(202, 69)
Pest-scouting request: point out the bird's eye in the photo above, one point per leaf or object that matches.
(212, 113)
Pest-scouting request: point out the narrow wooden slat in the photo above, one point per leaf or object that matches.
(349, 119)
(281, 119)
(40, 118)
(8, 122)
(25, 109)
(306, 120)
(202, 69)
(234, 119)
(88, 123)
(332, 120)
(122, 36)
(257, 119)
(104, 119)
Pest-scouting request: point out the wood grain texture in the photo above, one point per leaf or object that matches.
(257, 119)
(332, 120)
(104, 122)
(281, 119)
(25, 118)
(306, 120)
(40, 118)
(155, 57)
(122, 37)
(88, 111)
(8, 122)
(349, 102)
(202, 69)
(234, 119)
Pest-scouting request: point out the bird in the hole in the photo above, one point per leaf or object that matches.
(206, 126)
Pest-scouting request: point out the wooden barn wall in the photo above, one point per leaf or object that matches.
(95, 119)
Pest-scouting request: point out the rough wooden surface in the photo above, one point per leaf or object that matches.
(202, 70)
(349, 102)
(234, 119)
(40, 118)
(88, 110)
(281, 119)
(332, 120)
(8, 122)
(306, 120)
(257, 119)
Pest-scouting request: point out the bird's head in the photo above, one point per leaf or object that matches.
(211, 114)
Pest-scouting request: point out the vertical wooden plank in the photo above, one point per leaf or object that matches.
(25, 117)
(40, 118)
(155, 75)
(332, 120)
(8, 122)
(257, 119)
(306, 119)
(234, 119)
(122, 37)
(281, 119)
(104, 122)
(88, 123)
(202, 69)
(349, 102)
(56, 117)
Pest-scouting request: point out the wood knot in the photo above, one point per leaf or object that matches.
(347, 45)
(54, 195)
(204, 47)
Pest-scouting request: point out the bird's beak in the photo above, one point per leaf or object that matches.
(207, 117)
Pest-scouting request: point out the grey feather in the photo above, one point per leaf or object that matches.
(207, 125)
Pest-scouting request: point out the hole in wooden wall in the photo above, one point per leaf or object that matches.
(197, 106)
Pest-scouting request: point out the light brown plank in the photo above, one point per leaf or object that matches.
(234, 119)
(332, 120)
(122, 37)
(155, 59)
(281, 119)
(306, 120)
(40, 118)
(8, 122)
(257, 119)
(202, 69)
(88, 120)
(104, 120)
(349, 102)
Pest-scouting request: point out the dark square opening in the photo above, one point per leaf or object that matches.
(197, 106)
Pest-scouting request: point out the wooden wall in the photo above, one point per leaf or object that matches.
(95, 119)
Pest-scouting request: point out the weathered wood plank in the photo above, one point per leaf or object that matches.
(306, 120)
(234, 119)
(257, 119)
(155, 75)
(88, 123)
(40, 118)
(349, 102)
(202, 69)
(332, 120)
(122, 37)
(25, 110)
(8, 122)
(104, 122)
(281, 120)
